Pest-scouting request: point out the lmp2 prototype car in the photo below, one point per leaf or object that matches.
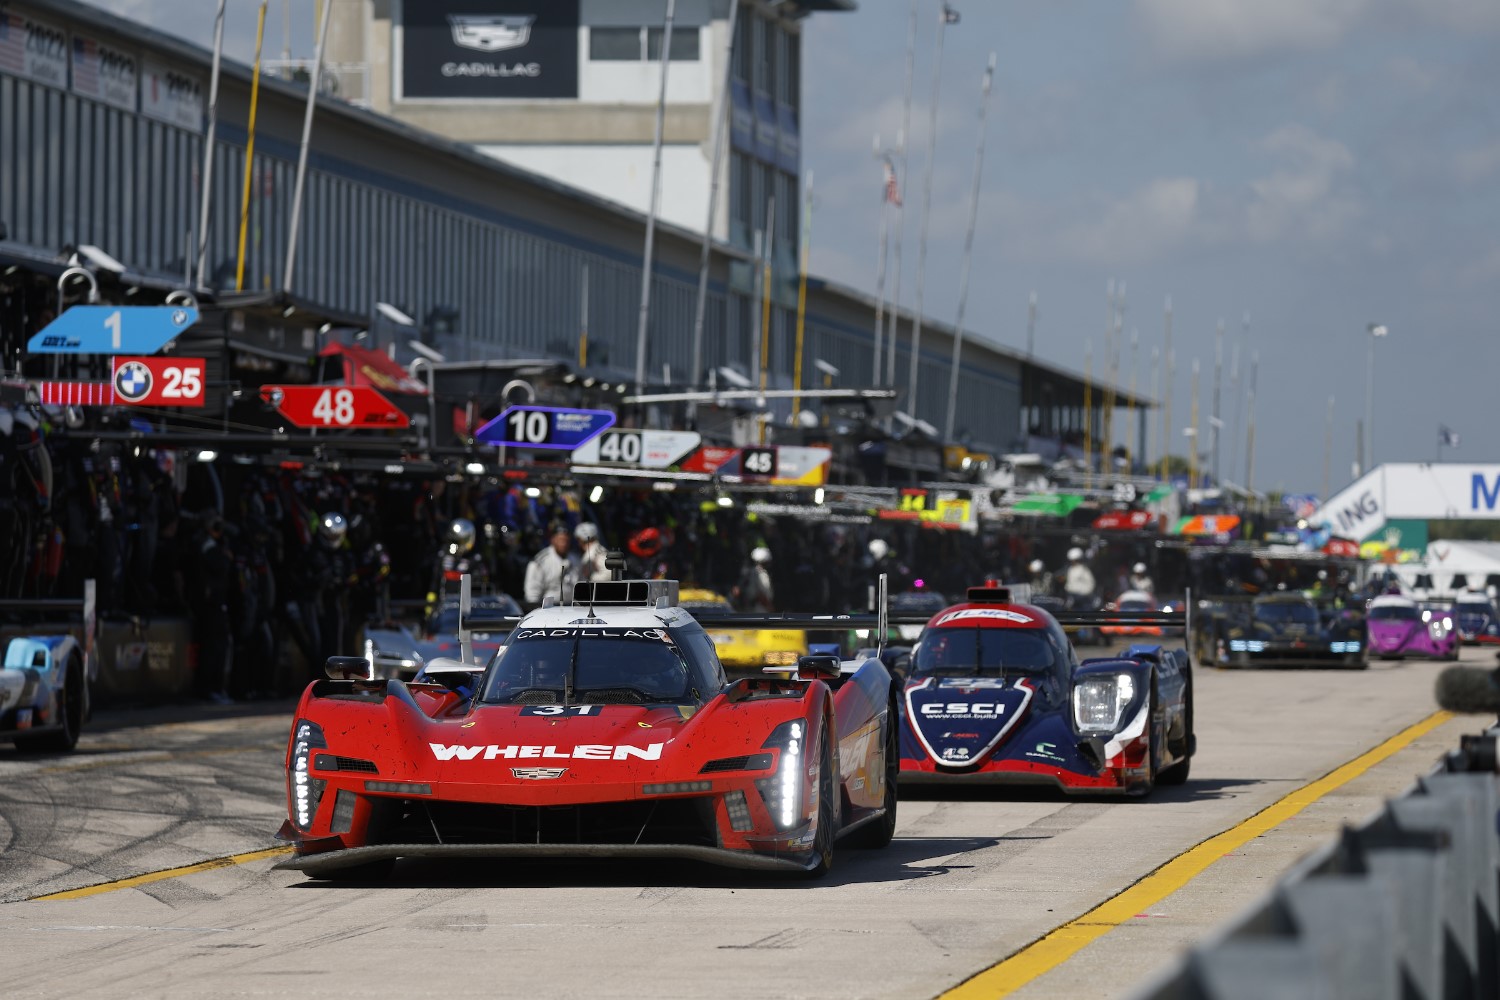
(1399, 628)
(1474, 614)
(996, 694)
(1288, 630)
(604, 728)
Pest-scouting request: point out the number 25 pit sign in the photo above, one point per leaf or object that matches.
(158, 381)
(357, 407)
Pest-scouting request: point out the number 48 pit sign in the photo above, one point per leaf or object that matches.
(357, 407)
(159, 381)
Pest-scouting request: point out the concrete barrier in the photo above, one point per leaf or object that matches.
(1403, 907)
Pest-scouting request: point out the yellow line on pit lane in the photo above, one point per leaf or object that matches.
(1046, 953)
(149, 877)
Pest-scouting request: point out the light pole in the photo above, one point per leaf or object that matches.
(1376, 330)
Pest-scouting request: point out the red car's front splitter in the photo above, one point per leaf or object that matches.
(315, 864)
(1010, 772)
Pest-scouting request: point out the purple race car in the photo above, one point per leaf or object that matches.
(1398, 627)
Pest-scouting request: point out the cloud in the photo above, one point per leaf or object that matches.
(1216, 29)
(1484, 270)
(1302, 197)
(1478, 164)
(1146, 223)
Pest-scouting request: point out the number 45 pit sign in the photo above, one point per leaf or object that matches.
(158, 381)
(358, 407)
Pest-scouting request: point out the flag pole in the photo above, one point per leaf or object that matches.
(260, 37)
(880, 258)
(661, 111)
(307, 120)
(1327, 449)
(1169, 361)
(208, 143)
(721, 114)
(1250, 436)
(767, 254)
(902, 138)
(932, 114)
(807, 221)
(963, 281)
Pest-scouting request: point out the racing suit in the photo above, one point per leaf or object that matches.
(550, 573)
(1079, 582)
(592, 568)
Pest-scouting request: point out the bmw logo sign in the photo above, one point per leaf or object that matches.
(133, 381)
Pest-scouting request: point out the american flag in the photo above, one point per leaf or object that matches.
(12, 44)
(85, 65)
(950, 16)
(76, 393)
(892, 188)
(1447, 436)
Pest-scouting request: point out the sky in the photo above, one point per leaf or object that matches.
(1299, 169)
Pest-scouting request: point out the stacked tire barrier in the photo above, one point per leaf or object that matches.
(1403, 907)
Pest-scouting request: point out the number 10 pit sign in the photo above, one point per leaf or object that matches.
(356, 407)
(545, 427)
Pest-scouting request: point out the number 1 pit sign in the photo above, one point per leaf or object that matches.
(158, 381)
(356, 407)
(113, 330)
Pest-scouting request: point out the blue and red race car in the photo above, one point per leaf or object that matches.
(996, 694)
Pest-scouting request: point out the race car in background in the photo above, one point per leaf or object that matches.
(1132, 602)
(746, 649)
(1283, 629)
(603, 728)
(392, 650)
(996, 694)
(1400, 627)
(1475, 618)
(440, 638)
(47, 672)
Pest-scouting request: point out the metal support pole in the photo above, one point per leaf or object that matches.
(902, 139)
(963, 281)
(260, 37)
(208, 143)
(307, 120)
(932, 115)
(661, 111)
(721, 114)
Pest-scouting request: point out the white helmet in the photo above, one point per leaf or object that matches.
(332, 527)
(1037, 565)
(1075, 555)
(461, 535)
(878, 548)
(1138, 569)
(760, 554)
(586, 532)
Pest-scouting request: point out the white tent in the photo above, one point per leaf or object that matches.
(1450, 567)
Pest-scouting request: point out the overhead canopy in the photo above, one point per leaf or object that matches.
(363, 366)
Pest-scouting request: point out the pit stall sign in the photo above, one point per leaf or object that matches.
(781, 465)
(316, 407)
(555, 427)
(640, 449)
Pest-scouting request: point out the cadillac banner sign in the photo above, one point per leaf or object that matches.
(489, 49)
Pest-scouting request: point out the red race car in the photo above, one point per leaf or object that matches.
(604, 728)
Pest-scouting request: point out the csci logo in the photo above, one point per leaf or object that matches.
(963, 710)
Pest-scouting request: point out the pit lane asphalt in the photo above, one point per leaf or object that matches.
(973, 876)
